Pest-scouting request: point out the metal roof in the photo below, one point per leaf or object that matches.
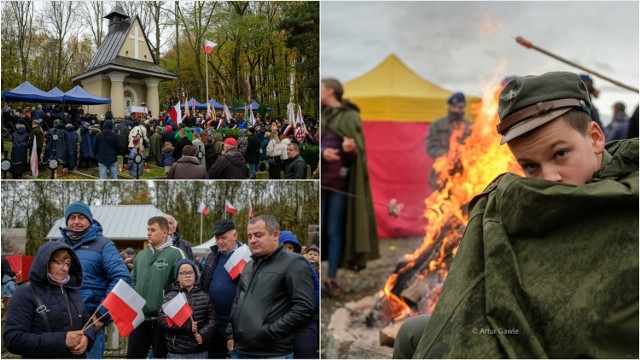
(117, 11)
(119, 222)
(106, 59)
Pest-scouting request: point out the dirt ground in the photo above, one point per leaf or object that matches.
(356, 285)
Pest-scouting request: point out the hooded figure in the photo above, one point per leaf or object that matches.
(19, 140)
(58, 146)
(71, 158)
(25, 332)
(183, 339)
(87, 138)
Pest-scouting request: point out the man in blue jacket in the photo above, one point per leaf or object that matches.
(102, 265)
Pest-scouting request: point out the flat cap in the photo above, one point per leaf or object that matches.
(223, 226)
(528, 102)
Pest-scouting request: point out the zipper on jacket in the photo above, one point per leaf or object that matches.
(67, 302)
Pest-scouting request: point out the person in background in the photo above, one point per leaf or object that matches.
(343, 155)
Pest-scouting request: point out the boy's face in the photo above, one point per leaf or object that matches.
(186, 276)
(557, 152)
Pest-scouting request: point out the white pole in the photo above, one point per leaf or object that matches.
(201, 228)
(206, 69)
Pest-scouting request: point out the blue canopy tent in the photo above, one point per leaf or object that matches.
(56, 92)
(78, 95)
(199, 106)
(30, 93)
(253, 105)
(216, 105)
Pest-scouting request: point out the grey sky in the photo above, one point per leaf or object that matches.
(457, 44)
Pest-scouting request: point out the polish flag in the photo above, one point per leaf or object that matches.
(250, 210)
(34, 159)
(125, 307)
(228, 207)
(237, 261)
(219, 124)
(176, 113)
(186, 107)
(251, 117)
(177, 310)
(208, 46)
(203, 209)
(289, 127)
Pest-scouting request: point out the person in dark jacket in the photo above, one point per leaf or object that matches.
(87, 139)
(176, 239)
(220, 286)
(182, 142)
(265, 317)
(252, 155)
(102, 266)
(188, 166)
(55, 276)
(72, 147)
(106, 149)
(19, 140)
(297, 167)
(231, 164)
(191, 340)
(167, 156)
(155, 150)
(169, 135)
(122, 130)
(305, 344)
(56, 142)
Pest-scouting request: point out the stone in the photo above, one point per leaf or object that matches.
(363, 305)
(340, 320)
(361, 350)
(338, 345)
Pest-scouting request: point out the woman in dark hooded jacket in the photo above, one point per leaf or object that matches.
(56, 277)
(189, 341)
(72, 147)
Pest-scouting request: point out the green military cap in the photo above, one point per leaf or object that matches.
(528, 102)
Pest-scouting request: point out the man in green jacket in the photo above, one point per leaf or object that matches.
(548, 264)
(152, 276)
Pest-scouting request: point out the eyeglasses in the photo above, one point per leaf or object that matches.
(62, 263)
(186, 273)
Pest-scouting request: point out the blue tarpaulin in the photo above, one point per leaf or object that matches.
(78, 95)
(27, 92)
(253, 105)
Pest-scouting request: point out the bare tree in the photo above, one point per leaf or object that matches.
(94, 12)
(59, 16)
(22, 12)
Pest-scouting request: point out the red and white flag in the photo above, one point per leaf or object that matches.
(237, 261)
(177, 310)
(176, 113)
(228, 207)
(203, 209)
(208, 46)
(287, 129)
(250, 210)
(34, 159)
(251, 117)
(125, 307)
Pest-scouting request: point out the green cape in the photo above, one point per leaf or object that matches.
(361, 239)
(545, 270)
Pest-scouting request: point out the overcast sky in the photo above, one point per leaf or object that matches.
(456, 44)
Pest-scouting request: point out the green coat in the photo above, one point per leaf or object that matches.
(361, 238)
(152, 276)
(558, 264)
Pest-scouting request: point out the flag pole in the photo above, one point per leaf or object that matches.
(201, 228)
(98, 319)
(206, 68)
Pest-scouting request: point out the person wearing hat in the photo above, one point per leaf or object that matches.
(102, 265)
(313, 255)
(441, 130)
(105, 148)
(167, 156)
(305, 345)
(219, 285)
(593, 93)
(190, 340)
(231, 164)
(56, 148)
(19, 140)
(548, 264)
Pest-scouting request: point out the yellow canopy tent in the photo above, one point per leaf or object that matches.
(397, 107)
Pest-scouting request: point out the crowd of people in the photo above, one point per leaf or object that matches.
(80, 140)
(269, 310)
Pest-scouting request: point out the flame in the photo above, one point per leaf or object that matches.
(464, 172)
